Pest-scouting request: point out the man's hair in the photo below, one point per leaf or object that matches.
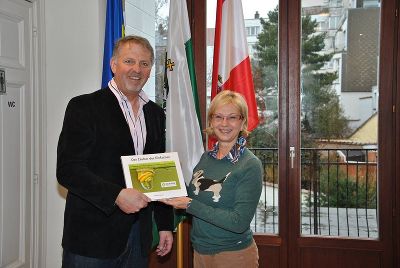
(133, 39)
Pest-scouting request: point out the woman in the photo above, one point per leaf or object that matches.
(225, 190)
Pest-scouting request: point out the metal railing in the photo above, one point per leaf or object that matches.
(338, 192)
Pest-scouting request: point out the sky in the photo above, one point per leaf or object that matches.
(249, 9)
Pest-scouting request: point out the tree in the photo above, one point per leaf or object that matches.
(322, 115)
(161, 22)
(161, 33)
(265, 76)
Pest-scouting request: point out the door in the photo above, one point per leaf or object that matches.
(15, 133)
(331, 174)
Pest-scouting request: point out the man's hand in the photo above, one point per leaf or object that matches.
(131, 200)
(165, 245)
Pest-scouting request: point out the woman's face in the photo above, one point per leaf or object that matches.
(227, 124)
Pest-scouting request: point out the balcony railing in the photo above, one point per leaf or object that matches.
(338, 192)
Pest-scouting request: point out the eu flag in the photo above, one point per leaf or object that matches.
(114, 31)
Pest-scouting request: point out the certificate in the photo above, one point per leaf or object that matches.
(156, 175)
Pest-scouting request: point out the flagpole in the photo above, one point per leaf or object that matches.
(179, 246)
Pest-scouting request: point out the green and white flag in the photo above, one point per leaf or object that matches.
(183, 128)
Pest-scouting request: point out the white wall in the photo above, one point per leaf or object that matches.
(358, 107)
(73, 52)
(140, 20)
(74, 36)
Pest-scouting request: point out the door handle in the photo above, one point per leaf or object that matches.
(2, 81)
(292, 155)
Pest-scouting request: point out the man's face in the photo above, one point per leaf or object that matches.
(131, 67)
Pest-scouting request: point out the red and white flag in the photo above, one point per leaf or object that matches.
(231, 67)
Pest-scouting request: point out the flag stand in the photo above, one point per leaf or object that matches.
(179, 246)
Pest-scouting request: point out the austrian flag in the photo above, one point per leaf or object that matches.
(231, 67)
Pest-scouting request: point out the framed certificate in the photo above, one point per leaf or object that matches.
(156, 175)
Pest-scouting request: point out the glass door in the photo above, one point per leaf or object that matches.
(323, 76)
(339, 98)
(340, 89)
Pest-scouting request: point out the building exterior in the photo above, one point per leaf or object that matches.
(253, 28)
(352, 31)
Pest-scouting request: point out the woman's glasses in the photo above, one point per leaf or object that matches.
(232, 118)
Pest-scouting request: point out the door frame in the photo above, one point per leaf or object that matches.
(39, 126)
(302, 246)
(396, 184)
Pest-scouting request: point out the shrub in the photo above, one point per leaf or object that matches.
(335, 189)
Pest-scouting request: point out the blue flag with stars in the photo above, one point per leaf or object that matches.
(114, 30)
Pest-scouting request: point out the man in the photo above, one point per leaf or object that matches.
(105, 224)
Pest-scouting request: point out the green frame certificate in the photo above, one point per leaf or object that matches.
(156, 175)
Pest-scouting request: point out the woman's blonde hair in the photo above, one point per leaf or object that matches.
(228, 97)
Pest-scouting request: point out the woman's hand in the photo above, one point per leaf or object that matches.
(177, 202)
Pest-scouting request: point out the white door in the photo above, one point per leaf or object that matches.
(16, 134)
